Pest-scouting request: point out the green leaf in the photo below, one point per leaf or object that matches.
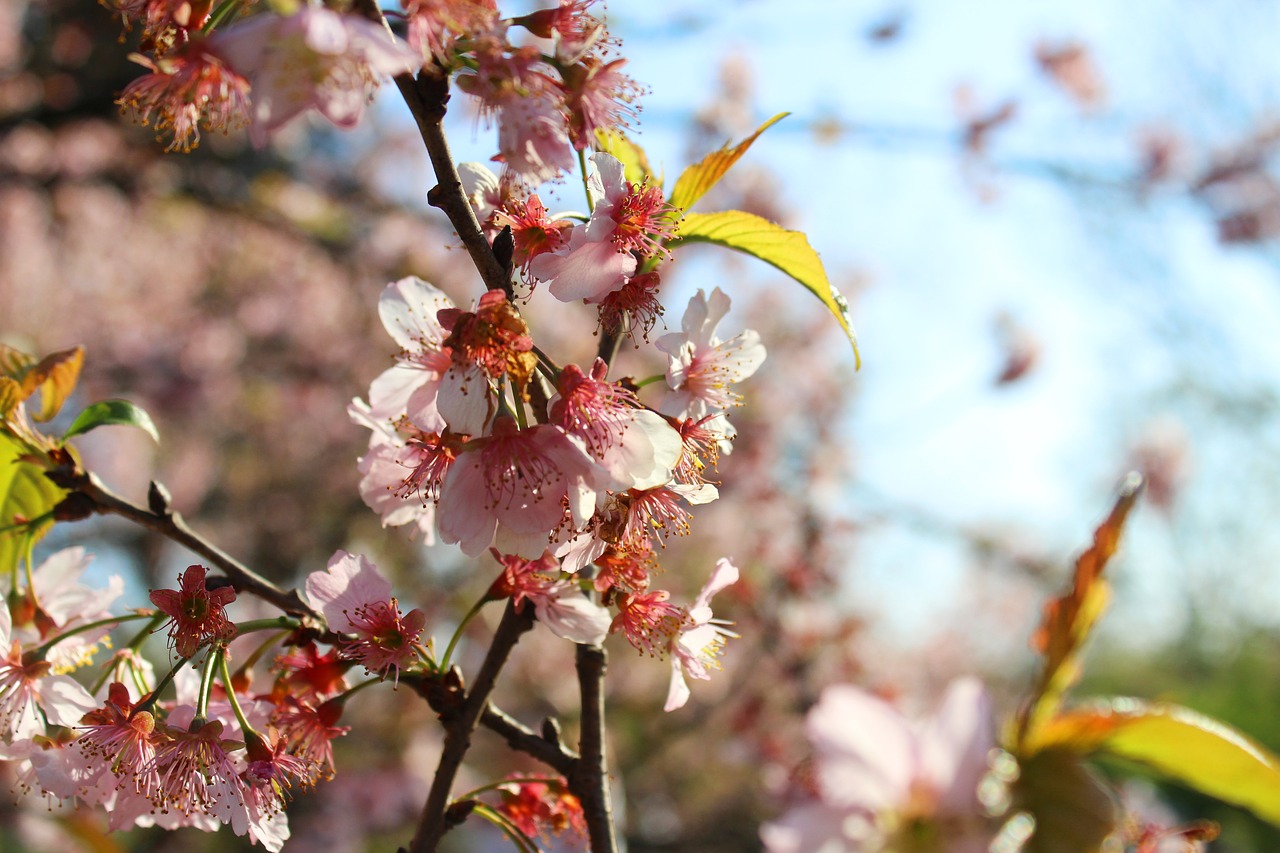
(1178, 743)
(1072, 810)
(695, 181)
(788, 251)
(112, 412)
(25, 494)
(635, 162)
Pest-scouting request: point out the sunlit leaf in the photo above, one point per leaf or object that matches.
(696, 180)
(25, 494)
(789, 251)
(635, 162)
(1069, 618)
(55, 377)
(1072, 810)
(113, 412)
(1183, 745)
(14, 363)
(10, 395)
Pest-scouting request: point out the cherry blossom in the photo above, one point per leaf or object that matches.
(600, 256)
(636, 446)
(559, 604)
(30, 695)
(696, 647)
(701, 366)
(356, 599)
(188, 88)
(510, 489)
(312, 59)
(196, 613)
(883, 778)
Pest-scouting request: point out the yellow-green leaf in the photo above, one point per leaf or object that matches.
(1179, 743)
(13, 362)
(25, 494)
(694, 181)
(635, 162)
(788, 251)
(55, 377)
(10, 396)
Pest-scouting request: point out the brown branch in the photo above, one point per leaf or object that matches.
(545, 747)
(427, 97)
(436, 818)
(91, 495)
(589, 778)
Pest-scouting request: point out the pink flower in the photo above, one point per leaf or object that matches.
(188, 88)
(599, 97)
(600, 257)
(434, 25)
(879, 774)
(315, 58)
(30, 696)
(514, 485)
(119, 745)
(58, 602)
(196, 613)
(636, 446)
(696, 648)
(356, 599)
(559, 604)
(533, 139)
(409, 309)
(701, 367)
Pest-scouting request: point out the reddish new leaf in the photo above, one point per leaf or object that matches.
(1069, 618)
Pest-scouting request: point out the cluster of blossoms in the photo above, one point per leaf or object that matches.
(208, 70)
(596, 481)
(215, 753)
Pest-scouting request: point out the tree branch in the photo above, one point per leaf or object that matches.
(435, 820)
(90, 495)
(545, 747)
(589, 778)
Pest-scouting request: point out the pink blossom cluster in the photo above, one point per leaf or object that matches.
(568, 477)
(261, 72)
(548, 98)
(208, 751)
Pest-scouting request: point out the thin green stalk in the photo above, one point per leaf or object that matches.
(220, 16)
(148, 703)
(457, 635)
(211, 659)
(225, 673)
(586, 185)
(504, 823)
(493, 786)
(41, 650)
(649, 380)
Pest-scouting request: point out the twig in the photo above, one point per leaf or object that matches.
(162, 519)
(435, 819)
(589, 778)
(545, 747)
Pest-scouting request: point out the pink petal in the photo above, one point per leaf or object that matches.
(866, 750)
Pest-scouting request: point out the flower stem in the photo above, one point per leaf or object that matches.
(457, 635)
(586, 185)
(225, 673)
(41, 650)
